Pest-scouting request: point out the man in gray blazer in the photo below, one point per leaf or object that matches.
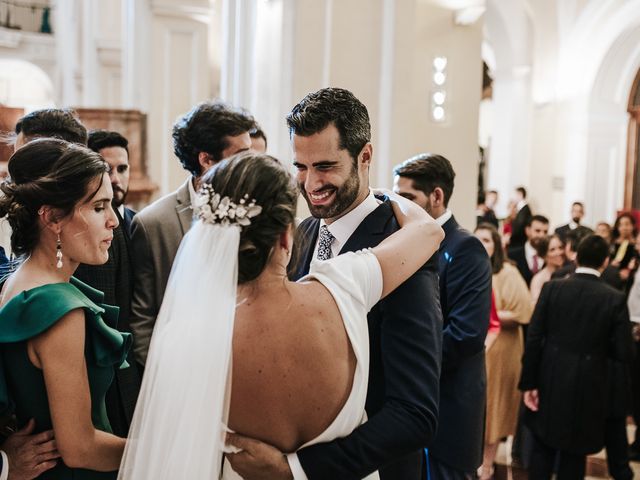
(210, 132)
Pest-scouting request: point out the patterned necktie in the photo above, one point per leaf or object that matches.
(324, 243)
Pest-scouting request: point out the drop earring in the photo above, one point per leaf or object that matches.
(58, 252)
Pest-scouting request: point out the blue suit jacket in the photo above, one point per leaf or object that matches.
(465, 296)
(405, 333)
(127, 219)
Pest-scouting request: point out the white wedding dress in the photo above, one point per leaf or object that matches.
(178, 429)
(355, 282)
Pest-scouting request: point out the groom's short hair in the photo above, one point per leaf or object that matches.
(335, 106)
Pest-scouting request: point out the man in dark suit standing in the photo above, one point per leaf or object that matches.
(465, 298)
(331, 134)
(523, 216)
(577, 212)
(114, 148)
(579, 326)
(526, 256)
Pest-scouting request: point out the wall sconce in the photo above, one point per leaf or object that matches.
(438, 93)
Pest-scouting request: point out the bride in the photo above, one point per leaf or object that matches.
(238, 347)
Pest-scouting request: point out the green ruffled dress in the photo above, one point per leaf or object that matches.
(22, 386)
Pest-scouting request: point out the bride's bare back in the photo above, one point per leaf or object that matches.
(293, 364)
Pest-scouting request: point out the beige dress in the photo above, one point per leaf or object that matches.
(504, 357)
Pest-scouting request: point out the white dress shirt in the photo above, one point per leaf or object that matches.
(529, 253)
(4, 470)
(521, 205)
(444, 218)
(343, 227)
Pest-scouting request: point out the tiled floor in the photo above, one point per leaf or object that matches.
(596, 464)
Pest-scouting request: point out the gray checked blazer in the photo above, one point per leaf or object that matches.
(156, 233)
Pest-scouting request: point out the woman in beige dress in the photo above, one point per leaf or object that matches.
(513, 304)
(551, 249)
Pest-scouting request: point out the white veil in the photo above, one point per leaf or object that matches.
(178, 425)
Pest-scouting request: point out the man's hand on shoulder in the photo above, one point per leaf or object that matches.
(257, 460)
(30, 455)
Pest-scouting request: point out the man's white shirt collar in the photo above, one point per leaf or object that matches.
(529, 253)
(121, 210)
(343, 228)
(521, 204)
(588, 271)
(573, 225)
(444, 218)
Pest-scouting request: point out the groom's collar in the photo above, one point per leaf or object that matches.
(343, 227)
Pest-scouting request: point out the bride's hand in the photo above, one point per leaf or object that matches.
(404, 209)
(257, 460)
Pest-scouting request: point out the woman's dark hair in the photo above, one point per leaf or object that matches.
(541, 246)
(45, 171)
(498, 257)
(268, 182)
(615, 233)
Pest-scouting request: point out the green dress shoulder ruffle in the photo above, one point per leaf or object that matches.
(33, 311)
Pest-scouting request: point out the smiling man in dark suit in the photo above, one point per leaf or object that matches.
(465, 297)
(526, 256)
(331, 134)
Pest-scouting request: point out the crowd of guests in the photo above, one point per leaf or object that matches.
(538, 256)
(506, 331)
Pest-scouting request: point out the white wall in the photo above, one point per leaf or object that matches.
(583, 56)
(381, 50)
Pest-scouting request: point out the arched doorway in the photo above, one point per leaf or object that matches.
(632, 177)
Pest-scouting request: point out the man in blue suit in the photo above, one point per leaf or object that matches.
(331, 140)
(465, 297)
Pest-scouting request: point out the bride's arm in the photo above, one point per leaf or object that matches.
(403, 253)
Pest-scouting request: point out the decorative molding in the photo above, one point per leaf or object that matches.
(191, 12)
(109, 53)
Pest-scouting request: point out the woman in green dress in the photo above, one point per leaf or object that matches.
(56, 352)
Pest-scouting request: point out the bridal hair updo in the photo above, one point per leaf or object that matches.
(266, 180)
(50, 172)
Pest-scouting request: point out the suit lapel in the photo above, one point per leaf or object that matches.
(306, 238)
(449, 227)
(183, 207)
(369, 233)
(371, 230)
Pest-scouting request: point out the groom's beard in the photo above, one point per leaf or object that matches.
(344, 196)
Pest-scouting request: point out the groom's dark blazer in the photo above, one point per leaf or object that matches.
(465, 296)
(405, 335)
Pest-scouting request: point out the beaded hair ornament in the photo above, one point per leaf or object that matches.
(216, 210)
